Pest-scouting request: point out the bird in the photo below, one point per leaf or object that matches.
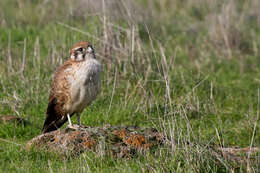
(75, 85)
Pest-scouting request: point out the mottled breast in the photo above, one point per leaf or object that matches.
(85, 84)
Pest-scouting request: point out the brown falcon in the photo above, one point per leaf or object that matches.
(76, 84)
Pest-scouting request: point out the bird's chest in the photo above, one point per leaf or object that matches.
(85, 86)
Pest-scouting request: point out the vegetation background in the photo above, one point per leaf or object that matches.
(188, 68)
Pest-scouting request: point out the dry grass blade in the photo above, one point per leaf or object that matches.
(10, 142)
(90, 35)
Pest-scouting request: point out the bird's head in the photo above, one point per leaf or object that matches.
(82, 51)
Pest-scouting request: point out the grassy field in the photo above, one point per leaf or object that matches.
(189, 68)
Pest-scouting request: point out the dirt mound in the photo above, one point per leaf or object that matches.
(118, 141)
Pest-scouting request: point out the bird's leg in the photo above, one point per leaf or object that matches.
(78, 117)
(70, 126)
(68, 116)
(75, 127)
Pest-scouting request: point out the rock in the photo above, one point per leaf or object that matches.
(118, 141)
(12, 118)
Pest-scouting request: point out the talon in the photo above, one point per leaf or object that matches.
(74, 127)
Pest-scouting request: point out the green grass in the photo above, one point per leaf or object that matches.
(205, 91)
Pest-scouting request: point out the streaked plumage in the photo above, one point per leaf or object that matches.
(76, 84)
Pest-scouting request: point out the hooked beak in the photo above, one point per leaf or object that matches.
(90, 49)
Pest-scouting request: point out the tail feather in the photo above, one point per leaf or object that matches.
(51, 125)
(54, 119)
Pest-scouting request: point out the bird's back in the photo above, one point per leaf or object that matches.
(58, 99)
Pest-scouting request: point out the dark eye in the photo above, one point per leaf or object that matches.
(80, 49)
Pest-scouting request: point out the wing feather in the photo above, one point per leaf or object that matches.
(59, 97)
